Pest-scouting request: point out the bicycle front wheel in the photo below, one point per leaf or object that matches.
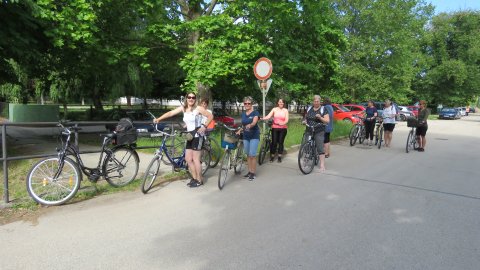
(224, 167)
(380, 137)
(120, 167)
(45, 189)
(306, 158)
(411, 142)
(215, 153)
(263, 151)
(151, 174)
(205, 160)
(353, 135)
(362, 133)
(239, 157)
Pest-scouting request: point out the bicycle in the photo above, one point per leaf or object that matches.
(357, 131)
(411, 138)
(379, 131)
(212, 146)
(266, 141)
(178, 163)
(308, 156)
(55, 180)
(233, 156)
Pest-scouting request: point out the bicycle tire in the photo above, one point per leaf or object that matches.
(380, 137)
(224, 167)
(151, 174)
(353, 135)
(239, 159)
(362, 133)
(215, 153)
(44, 190)
(120, 167)
(205, 159)
(306, 158)
(263, 151)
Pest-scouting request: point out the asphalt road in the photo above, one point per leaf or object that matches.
(372, 209)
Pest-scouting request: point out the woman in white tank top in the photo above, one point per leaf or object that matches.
(193, 117)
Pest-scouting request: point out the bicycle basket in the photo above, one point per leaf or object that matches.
(229, 139)
(412, 122)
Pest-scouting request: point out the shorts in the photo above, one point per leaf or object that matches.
(327, 137)
(388, 127)
(250, 147)
(319, 141)
(196, 143)
(421, 131)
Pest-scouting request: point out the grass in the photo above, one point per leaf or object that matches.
(18, 170)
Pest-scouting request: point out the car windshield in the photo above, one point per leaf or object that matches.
(343, 108)
(448, 110)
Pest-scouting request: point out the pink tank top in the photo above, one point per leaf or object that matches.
(279, 116)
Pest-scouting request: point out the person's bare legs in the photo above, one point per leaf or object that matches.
(189, 156)
(197, 162)
(326, 147)
(322, 163)
(251, 164)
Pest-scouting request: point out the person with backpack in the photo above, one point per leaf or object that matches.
(279, 129)
(317, 115)
(327, 103)
(389, 113)
(193, 118)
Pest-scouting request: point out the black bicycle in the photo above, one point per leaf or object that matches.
(167, 154)
(55, 180)
(266, 141)
(412, 123)
(358, 131)
(308, 156)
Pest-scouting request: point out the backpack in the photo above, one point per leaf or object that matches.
(125, 131)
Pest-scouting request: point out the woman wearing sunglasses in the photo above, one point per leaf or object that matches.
(251, 136)
(193, 118)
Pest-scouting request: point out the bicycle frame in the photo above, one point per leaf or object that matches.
(177, 162)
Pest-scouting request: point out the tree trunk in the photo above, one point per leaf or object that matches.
(97, 102)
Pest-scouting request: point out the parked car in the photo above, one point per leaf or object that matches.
(340, 113)
(135, 115)
(472, 109)
(355, 107)
(405, 112)
(449, 113)
(220, 115)
(463, 111)
(414, 109)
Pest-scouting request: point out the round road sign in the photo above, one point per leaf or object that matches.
(263, 68)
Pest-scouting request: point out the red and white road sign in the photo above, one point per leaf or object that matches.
(263, 68)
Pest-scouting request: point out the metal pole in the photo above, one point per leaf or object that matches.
(5, 164)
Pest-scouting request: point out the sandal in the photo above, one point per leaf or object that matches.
(327, 156)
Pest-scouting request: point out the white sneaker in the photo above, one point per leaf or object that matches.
(371, 143)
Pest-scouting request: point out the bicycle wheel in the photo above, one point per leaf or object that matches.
(263, 150)
(380, 137)
(46, 190)
(239, 158)
(215, 153)
(362, 133)
(306, 158)
(151, 174)
(121, 166)
(205, 160)
(224, 167)
(411, 141)
(353, 135)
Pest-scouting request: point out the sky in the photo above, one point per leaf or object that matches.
(455, 5)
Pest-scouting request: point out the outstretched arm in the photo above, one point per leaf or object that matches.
(168, 114)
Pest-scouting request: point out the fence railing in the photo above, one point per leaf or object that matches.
(4, 159)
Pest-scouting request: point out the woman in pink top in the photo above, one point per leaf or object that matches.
(279, 129)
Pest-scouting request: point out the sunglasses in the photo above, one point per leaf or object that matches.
(247, 103)
(191, 97)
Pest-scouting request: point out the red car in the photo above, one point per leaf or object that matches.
(414, 110)
(220, 115)
(340, 113)
(355, 108)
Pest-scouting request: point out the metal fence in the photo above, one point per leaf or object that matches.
(4, 144)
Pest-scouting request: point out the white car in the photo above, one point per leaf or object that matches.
(463, 110)
(404, 113)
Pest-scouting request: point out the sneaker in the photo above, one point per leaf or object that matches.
(196, 184)
(370, 143)
(271, 159)
(251, 177)
(247, 175)
(279, 159)
(421, 150)
(191, 181)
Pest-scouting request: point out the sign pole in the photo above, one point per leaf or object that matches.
(262, 70)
